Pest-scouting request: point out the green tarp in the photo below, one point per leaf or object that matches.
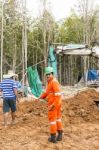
(52, 60)
(34, 81)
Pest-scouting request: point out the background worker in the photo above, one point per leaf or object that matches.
(8, 88)
(53, 96)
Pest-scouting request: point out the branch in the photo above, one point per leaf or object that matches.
(6, 62)
(18, 65)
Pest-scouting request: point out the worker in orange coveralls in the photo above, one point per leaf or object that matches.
(53, 96)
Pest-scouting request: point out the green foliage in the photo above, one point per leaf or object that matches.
(40, 32)
(71, 31)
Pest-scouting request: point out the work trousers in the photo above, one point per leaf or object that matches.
(54, 117)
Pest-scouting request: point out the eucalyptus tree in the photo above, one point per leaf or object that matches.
(95, 29)
(47, 24)
(37, 41)
(71, 29)
(12, 36)
(88, 13)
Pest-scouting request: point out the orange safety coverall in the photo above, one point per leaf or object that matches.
(53, 95)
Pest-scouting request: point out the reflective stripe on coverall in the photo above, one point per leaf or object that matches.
(53, 95)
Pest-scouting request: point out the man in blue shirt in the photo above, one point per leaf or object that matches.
(8, 88)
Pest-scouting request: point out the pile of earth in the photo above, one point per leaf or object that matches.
(81, 107)
(77, 109)
(80, 117)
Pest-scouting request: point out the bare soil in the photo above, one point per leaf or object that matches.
(80, 119)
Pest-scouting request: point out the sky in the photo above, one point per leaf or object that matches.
(59, 8)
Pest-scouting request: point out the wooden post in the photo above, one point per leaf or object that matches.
(85, 70)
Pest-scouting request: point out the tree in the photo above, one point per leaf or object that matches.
(71, 30)
(88, 14)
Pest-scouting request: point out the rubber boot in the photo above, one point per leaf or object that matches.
(52, 138)
(59, 137)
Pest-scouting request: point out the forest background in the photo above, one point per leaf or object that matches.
(25, 41)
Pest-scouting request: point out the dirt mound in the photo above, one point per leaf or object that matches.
(80, 119)
(82, 107)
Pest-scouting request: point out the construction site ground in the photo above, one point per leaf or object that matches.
(80, 120)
